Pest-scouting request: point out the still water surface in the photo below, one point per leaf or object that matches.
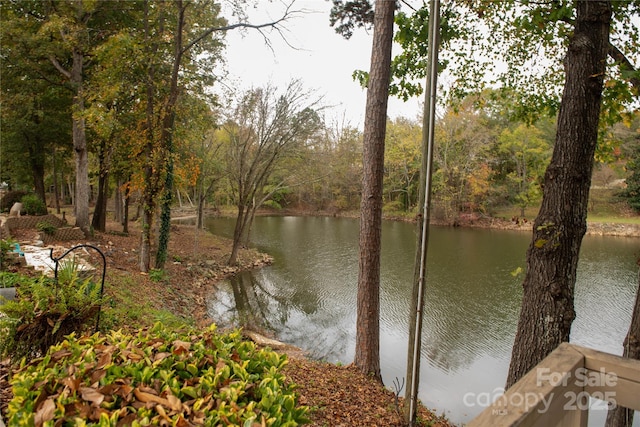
(308, 298)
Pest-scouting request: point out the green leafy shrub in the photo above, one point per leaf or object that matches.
(272, 204)
(10, 198)
(44, 312)
(6, 246)
(157, 275)
(46, 227)
(33, 205)
(10, 280)
(157, 377)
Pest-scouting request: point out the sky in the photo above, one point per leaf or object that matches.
(313, 53)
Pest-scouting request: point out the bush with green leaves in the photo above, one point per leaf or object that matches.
(33, 205)
(632, 191)
(10, 280)
(6, 246)
(157, 377)
(45, 311)
(46, 227)
(157, 275)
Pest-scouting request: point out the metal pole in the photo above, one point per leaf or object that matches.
(428, 131)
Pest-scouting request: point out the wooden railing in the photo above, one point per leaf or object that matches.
(556, 392)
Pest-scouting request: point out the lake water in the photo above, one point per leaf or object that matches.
(308, 299)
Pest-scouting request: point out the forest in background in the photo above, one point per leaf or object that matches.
(114, 98)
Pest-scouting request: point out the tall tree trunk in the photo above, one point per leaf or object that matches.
(125, 210)
(547, 310)
(37, 172)
(81, 154)
(150, 175)
(117, 202)
(238, 232)
(367, 356)
(200, 215)
(167, 142)
(99, 220)
(251, 215)
(72, 192)
(621, 416)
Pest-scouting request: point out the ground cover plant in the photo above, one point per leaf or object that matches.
(45, 311)
(157, 377)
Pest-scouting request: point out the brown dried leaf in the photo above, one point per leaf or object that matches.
(181, 347)
(97, 375)
(72, 382)
(174, 403)
(57, 355)
(78, 409)
(181, 422)
(146, 389)
(45, 412)
(161, 356)
(131, 355)
(148, 397)
(127, 421)
(125, 391)
(91, 395)
(104, 360)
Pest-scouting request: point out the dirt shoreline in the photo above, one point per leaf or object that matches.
(615, 229)
(593, 228)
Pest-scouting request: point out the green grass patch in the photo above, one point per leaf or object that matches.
(127, 305)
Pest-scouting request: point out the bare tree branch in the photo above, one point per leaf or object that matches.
(274, 24)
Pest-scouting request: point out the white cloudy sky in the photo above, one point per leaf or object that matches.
(315, 54)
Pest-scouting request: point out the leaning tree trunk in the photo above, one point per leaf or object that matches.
(547, 310)
(621, 416)
(367, 357)
(238, 232)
